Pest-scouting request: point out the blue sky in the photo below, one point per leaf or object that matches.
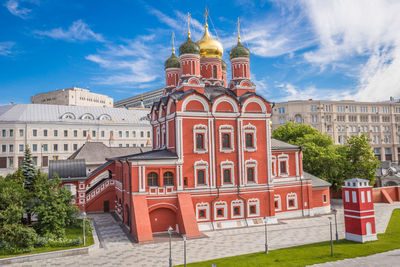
(300, 49)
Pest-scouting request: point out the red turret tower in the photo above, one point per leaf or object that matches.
(172, 71)
(359, 215)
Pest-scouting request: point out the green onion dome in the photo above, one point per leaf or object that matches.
(172, 62)
(189, 47)
(224, 65)
(239, 51)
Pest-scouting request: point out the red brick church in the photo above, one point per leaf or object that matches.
(213, 163)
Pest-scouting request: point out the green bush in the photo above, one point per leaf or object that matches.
(16, 237)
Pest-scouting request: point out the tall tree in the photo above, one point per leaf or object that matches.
(28, 169)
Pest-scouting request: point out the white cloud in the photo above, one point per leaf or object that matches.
(348, 31)
(15, 8)
(6, 48)
(135, 63)
(78, 31)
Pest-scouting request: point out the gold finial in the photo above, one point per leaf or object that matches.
(188, 22)
(173, 43)
(205, 16)
(238, 29)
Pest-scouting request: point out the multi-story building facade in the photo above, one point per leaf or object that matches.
(55, 132)
(380, 121)
(73, 97)
(145, 100)
(213, 163)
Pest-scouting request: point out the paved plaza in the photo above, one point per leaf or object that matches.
(118, 250)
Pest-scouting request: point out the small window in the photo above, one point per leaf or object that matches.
(283, 166)
(168, 178)
(65, 133)
(200, 141)
(236, 211)
(75, 133)
(152, 179)
(250, 174)
(226, 140)
(277, 204)
(55, 133)
(201, 177)
(215, 72)
(202, 213)
(84, 133)
(141, 134)
(325, 198)
(249, 140)
(44, 132)
(34, 132)
(291, 203)
(220, 212)
(65, 147)
(253, 209)
(227, 176)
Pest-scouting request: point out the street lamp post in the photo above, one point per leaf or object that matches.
(330, 227)
(184, 250)
(337, 235)
(266, 235)
(83, 226)
(170, 252)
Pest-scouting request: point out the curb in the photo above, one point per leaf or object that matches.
(54, 254)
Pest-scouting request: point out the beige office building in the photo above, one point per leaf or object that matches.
(55, 132)
(73, 97)
(380, 121)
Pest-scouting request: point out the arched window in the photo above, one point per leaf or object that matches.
(152, 179)
(168, 178)
(215, 72)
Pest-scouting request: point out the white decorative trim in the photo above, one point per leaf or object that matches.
(203, 206)
(252, 130)
(201, 165)
(361, 238)
(163, 136)
(219, 205)
(195, 98)
(255, 100)
(250, 163)
(278, 198)
(291, 196)
(165, 203)
(227, 165)
(200, 128)
(285, 158)
(252, 202)
(237, 203)
(273, 166)
(226, 129)
(227, 99)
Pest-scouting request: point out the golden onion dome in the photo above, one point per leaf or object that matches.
(210, 47)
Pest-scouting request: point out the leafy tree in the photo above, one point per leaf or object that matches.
(359, 159)
(53, 207)
(13, 234)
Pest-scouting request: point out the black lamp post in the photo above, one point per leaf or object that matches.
(337, 235)
(266, 235)
(330, 230)
(170, 252)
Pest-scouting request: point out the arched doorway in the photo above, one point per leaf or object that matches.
(161, 219)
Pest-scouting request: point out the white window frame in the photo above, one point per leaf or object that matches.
(324, 198)
(251, 202)
(369, 196)
(163, 137)
(278, 198)
(226, 129)
(203, 206)
(362, 197)
(237, 203)
(273, 166)
(201, 165)
(291, 196)
(219, 205)
(227, 165)
(283, 157)
(347, 196)
(253, 130)
(354, 196)
(251, 164)
(158, 140)
(200, 128)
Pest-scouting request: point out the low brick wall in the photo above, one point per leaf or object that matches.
(391, 191)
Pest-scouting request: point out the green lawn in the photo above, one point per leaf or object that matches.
(317, 252)
(71, 233)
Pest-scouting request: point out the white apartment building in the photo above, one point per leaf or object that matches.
(55, 132)
(380, 121)
(73, 97)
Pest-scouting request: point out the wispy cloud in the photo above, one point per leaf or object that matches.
(78, 31)
(17, 10)
(6, 48)
(134, 63)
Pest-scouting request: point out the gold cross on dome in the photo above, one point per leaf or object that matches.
(206, 14)
(238, 28)
(173, 42)
(188, 22)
